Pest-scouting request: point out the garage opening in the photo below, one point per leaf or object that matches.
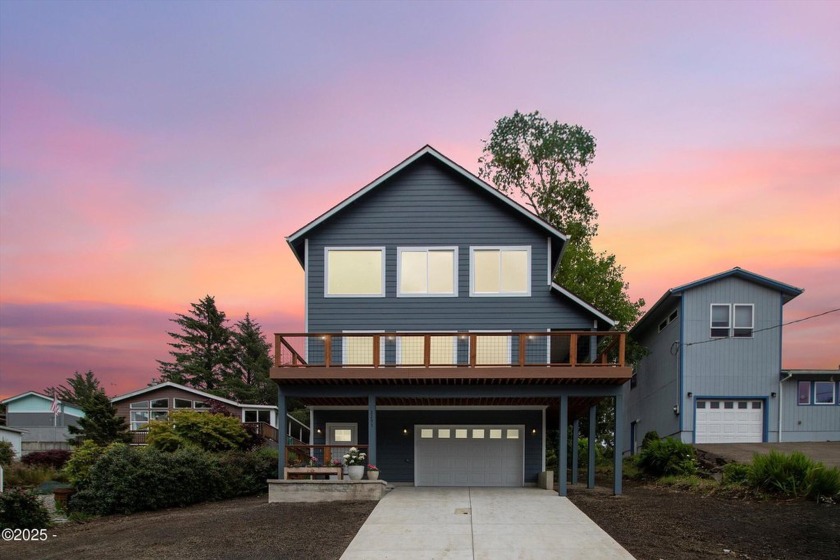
(469, 455)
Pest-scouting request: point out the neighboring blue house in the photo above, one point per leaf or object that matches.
(435, 337)
(714, 369)
(31, 412)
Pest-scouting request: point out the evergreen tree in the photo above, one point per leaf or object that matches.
(248, 378)
(80, 389)
(202, 351)
(100, 423)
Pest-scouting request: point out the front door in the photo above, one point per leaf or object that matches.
(344, 436)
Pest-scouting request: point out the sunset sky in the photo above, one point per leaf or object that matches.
(152, 153)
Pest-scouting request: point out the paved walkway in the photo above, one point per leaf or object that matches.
(826, 452)
(480, 524)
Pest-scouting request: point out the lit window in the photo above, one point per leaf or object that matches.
(500, 271)
(355, 272)
(461, 433)
(342, 435)
(823, 392)
(513, 433)
(443, 433)
(743, 315)
(804, 389)
(478, 433)
(495, 434)
(720, 320)
(427, 433)
(430, 272)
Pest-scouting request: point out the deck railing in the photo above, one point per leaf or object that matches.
(457, 349)
(322, 455)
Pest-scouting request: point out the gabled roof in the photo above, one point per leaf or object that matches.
(588, 307)
(189, 390)
(295, 240)
(671, 296)
(26, 394)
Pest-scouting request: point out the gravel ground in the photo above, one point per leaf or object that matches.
(246, 528)
(651, 523)
(655, 523)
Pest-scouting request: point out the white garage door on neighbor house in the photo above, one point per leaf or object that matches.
(729, 421)
(457, 455)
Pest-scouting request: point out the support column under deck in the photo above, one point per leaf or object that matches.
(282, 422)
(371, 430)
(562, 448)
(619, 445)
(575, 458)
(590, 468)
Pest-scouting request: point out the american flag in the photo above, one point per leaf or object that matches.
(54, 406)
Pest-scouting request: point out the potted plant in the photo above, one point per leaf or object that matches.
(373, 472)
(355, 461)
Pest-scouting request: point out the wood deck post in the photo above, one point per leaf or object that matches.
(327, 351)
(573, 349)
(427, 350)
(522, 341)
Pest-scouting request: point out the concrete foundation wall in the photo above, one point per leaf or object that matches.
(296, 491)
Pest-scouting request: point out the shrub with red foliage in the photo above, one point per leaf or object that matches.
(54, 458)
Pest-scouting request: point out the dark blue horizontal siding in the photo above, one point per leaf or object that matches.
(395, 450)
(427, 205)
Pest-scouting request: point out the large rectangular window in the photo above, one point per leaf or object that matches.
(427, 272)
(442, 350)
(354, 272)
(500, 271)
(804, 391)
(823, 392)
(720, 320)
(743, 320)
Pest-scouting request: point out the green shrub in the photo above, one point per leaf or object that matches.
(131, 479)
(668, 457)
(77, 468)
(777, 472)
(21, 509)
(822, 482)
(736, 473)
(55, 458)
(650, 437)
(210, 432)
(7, 453)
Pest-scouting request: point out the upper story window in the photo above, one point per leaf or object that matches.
(354, 271)
(500, 271)
(427, 272)
(735, 320)
(668, 320)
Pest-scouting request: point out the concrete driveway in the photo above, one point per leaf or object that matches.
(826, 452)
(480, 524)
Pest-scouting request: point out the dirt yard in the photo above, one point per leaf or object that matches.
(652, 523)
(656, 523)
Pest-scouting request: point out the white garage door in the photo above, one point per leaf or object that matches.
(457, 455)
(729, 421)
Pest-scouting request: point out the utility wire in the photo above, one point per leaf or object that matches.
(767, 328)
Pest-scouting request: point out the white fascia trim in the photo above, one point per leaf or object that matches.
(327, 250)
(427, 250)
(582, 303)
(26, 394)
(193, 391)
(411, 159)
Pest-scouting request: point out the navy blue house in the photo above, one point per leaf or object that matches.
(434, 336)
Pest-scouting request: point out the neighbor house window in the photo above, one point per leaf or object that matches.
(258, 416)
(354, 272)
(139, 419)
(500, 271)
(160, 403)
(427, 272)
(720, 320)
(823, 392)
(181, 403)
(743, 320)
(804, 391)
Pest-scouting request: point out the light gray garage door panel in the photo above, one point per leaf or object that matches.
(469, 455)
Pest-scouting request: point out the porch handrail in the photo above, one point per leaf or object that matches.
(608, 348)
(323, 453)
